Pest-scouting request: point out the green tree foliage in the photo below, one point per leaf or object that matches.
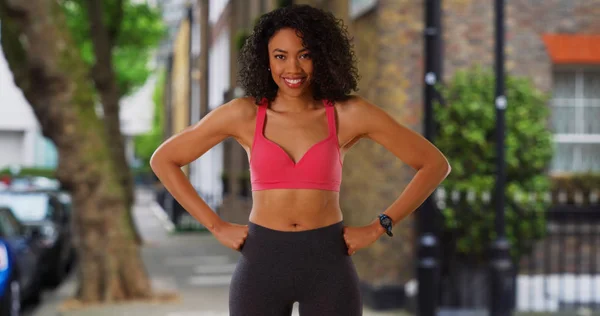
(146, 144)
(136, 31)
(466, 134)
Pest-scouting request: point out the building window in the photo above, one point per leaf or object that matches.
(576, 120)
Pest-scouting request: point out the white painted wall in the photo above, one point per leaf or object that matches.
(216, 8)
(219, 70)
(19, 128)
(12, 147)
(206, 171)
(15, 112)
(137, 110)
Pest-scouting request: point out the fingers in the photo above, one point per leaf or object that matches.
(350, 246)
(239, 242)
(237, 239)
(351, 250)
(238, 245)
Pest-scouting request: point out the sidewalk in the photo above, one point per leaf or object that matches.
(194, 265)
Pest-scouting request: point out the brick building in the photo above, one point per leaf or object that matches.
(555, 43)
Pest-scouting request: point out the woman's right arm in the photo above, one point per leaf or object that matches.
(181, 149)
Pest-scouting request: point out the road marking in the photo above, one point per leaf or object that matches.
(215, 269)
(164, 283)
(197, 260)
(210, 280)
(162, 216)
(196, 313)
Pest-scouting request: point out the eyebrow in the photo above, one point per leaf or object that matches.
(279, 50)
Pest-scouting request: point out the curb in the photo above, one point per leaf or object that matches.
(162, 216)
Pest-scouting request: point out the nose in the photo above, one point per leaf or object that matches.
(294, 65)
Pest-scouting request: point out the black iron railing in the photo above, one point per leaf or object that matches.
(556, 270)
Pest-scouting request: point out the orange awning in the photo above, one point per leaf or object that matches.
(573, 48)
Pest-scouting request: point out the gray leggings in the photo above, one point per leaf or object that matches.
(278, 268)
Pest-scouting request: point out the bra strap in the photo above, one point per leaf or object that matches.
(330, 108)
(260, 117)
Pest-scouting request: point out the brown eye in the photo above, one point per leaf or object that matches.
(279, 57)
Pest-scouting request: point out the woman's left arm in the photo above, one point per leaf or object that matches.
(410, 147)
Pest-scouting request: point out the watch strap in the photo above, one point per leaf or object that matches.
(388, 225)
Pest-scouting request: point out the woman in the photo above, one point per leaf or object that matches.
(296, 124)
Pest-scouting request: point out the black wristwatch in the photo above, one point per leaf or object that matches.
(386, 222)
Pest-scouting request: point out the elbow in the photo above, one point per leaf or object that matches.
(444, 168)
(160, 161)
(447, 169)
(441, 168)
(156, 160)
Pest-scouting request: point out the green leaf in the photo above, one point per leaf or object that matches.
(139, 33)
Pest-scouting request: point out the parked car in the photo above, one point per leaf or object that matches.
(20, 263)
(28, 183)
(45, 214)
(67, 202)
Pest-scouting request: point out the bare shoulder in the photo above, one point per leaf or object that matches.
(360, 117)
(237, 110)
(356, 106)
(232, 119)
(359, 114)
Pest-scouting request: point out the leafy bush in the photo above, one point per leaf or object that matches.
(31, 172)
(465, 132)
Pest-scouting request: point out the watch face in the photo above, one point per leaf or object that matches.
(386, 221)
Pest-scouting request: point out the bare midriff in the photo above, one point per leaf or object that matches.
(295, 209)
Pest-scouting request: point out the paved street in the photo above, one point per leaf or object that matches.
(193, 264)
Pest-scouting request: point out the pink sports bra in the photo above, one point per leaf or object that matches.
(272, 168)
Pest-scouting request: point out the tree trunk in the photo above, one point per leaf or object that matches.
(105, 80)
(48, 68)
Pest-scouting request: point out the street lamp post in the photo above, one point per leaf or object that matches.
(500, 265)
(428, 263)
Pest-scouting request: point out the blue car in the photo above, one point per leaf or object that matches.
(9, 289)
(19, 264)
(47, 215)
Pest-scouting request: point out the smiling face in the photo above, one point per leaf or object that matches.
(290, 63)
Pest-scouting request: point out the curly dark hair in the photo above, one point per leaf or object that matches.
(335, 73)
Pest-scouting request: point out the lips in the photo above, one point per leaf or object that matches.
(294, 82)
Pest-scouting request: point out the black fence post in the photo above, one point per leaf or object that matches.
(502, 286)
(428, 263)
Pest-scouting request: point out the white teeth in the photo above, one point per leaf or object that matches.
(293, 81)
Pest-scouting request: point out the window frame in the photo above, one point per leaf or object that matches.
(579, 137)
(19, 228)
